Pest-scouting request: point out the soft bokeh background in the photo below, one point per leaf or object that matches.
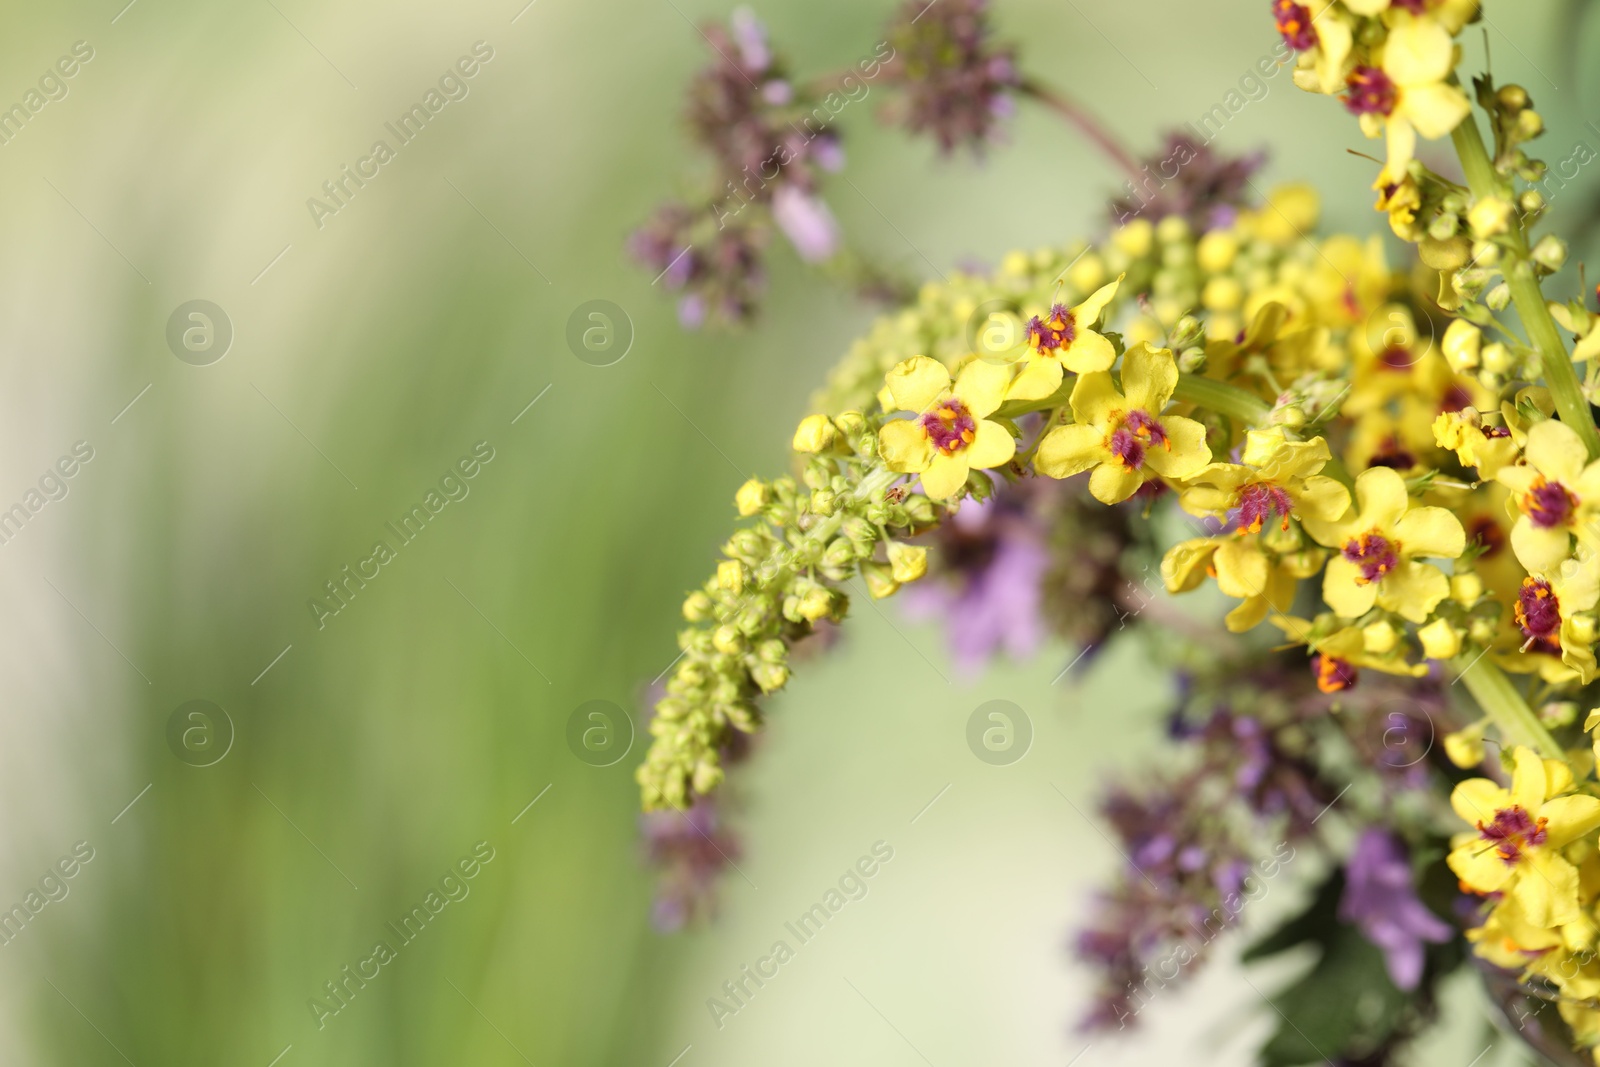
(426, 716)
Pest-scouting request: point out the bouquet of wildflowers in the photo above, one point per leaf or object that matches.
(1388, 468)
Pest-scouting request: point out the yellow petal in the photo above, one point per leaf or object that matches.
(916, 383)
(1539, 548)
(1069, 450)
(1528, 780)
(1548, 893)
(1242, 568)
(1401, 139)
(1556, 451)
(1095, 399)
(904, 446)
(1477, 799)
(1111, 483)
(1346, 596)
(1088, 313)
(1322, 498)
(1381, 498)
(1435, 110)
(1040, 377)
(1431, 532)
(993, 446)
(1570, 818)
(1480, 867)
(945, 475)
(1188, 454)
(981, 385)
(1088, 352)
(1149, 376)
(1413, 589)
(1418, 52)
(1183, 568)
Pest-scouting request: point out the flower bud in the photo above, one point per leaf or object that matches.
(815, 603)
(880, 582)
(730, 576)
(698, 606)
(707, 776)
(815, 434)
(1445, 255)
(1440, 640)
(1380, 638)
(1498, 298)
(1465, 747)
(727, 640)
(1512, 99)
(1462, 344)
(824, 502)
(1482, 631)
(1134, 239)
(1192, 360)
(907, 563)
(1217, 250)
(751, 497)
(1531, 202)
(1550, 253)
(920, 510)
(1490, 217)
(769, 676)
(1466, 588)
(1529, 125)
(1497, 358)
(1187, 331)
(851, 423)
(840, 554)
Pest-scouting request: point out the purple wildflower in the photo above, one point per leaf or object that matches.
(1379, 899)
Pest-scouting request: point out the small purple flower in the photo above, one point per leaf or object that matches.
(992, 602)
(807, 222)
(1380, 900)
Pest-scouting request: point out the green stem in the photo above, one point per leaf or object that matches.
(1545, 336)
(1224, 399)
(1500, 700)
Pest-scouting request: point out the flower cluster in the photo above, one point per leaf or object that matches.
(1364, 460)
(958, 84)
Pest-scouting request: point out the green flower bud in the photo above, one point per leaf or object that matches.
(824, 502)
(1550, 253)
(1498, 298)
(1529, 125)
(841, 553)
(770, 677)
(1192, 360)
(880, 581)
(697, 608)
(815, 434)
(907, 563)
(773, 651)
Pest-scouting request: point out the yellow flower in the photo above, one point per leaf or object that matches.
(1245, 569)
(1064, 340)
(1520, 834)
(1378, 547)
(1339, 653)
(1555, 613)
(1277, 478)
(1409, 93)
(1556, 492)
(1123, 436)
(1490, 449)
(949, 435)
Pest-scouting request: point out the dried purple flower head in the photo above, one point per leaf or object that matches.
(1188, 179)
(718, 270)
(991, 565)
(689, 850)
(1380, 900)
(957, 82)
(767, 138)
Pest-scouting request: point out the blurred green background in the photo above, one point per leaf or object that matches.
(372, 353)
